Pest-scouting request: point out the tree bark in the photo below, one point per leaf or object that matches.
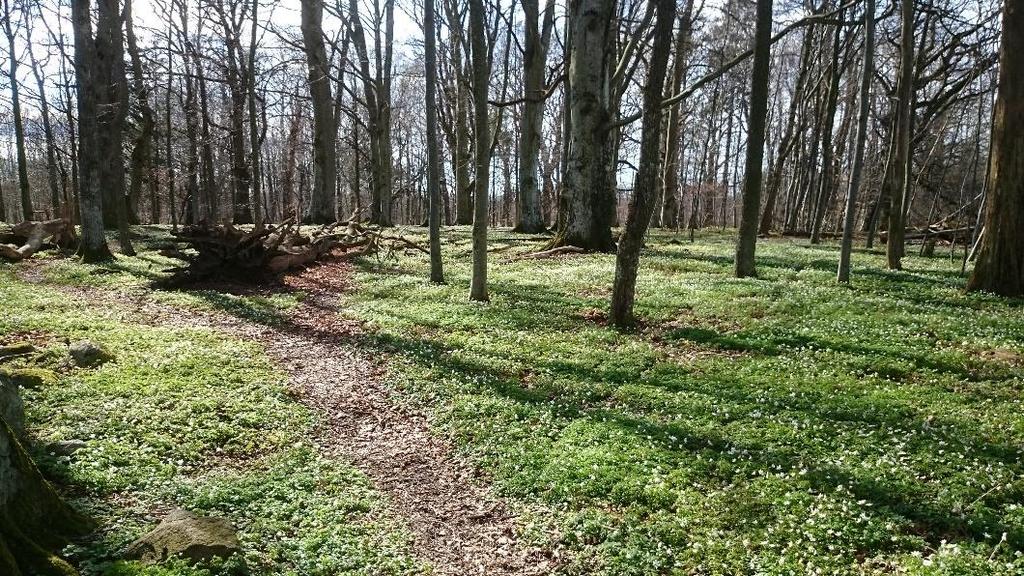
(433, 154)
(1000, 265)
(589, 197)
(856, 171)
(93, 247)
(481, 84)
(670, 173)
(322, 203)
(900, 172)
(759, 90)
(19, 126)
(646, 182)
(530, 217)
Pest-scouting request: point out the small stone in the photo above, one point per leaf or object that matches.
(67, 447)
(87, 354)
(187, 535)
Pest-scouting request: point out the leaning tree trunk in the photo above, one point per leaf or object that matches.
(900, 172)
(759, 90)
(645, 194)
(1000, 265)
(321, 206)
(530, 217)
(589, 201)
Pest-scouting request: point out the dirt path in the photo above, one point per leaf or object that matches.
(457, 525)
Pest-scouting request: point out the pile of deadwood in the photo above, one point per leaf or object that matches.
(25, 239)
(224, 252)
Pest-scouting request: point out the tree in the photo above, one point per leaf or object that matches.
(899, 173)
(759, 91)
(535, 51)
(93, 247)
(481, 86)
(19, 126)
(321, 207)
(433, 156)
(856, 171)
(646, 182)
(1000, 265)
(589, 201)
(670, 173)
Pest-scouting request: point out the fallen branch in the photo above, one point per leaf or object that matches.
(552, 253)
(27, 238)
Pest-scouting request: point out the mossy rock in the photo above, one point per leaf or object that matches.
(32, 377)
(183, 534)
(34, 521)
(87, 354)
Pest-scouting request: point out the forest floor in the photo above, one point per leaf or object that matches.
(359, 420)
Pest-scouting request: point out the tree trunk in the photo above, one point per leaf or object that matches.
(321, 206)
(646, 182)
(141, 161)
(93, 247)
(759, 89)
(900, 172)
(670, 173)
(530, 217)
(864, 114)
(433, 155)
(828, 147)
(589, 197)
(481, 84)
(1000, 265)
(19, 126)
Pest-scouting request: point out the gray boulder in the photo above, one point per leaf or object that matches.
(189, 536)
(87, 354)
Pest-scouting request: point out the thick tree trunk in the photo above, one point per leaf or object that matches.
(646, 182)
(93, 247)
(530, 217)
(1000, 265)
(481, 84)
(321, 206)
(759, 89)
(863, 115)
(589, 197)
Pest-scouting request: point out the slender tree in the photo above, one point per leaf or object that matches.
(857, 170)
(19, 126)
(899, 172)
(481, 86)
(646, 182)
(433, 156)
(759, 91)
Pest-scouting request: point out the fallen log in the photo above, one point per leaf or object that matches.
(552, 253)
(228, 253)
(27, 238)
